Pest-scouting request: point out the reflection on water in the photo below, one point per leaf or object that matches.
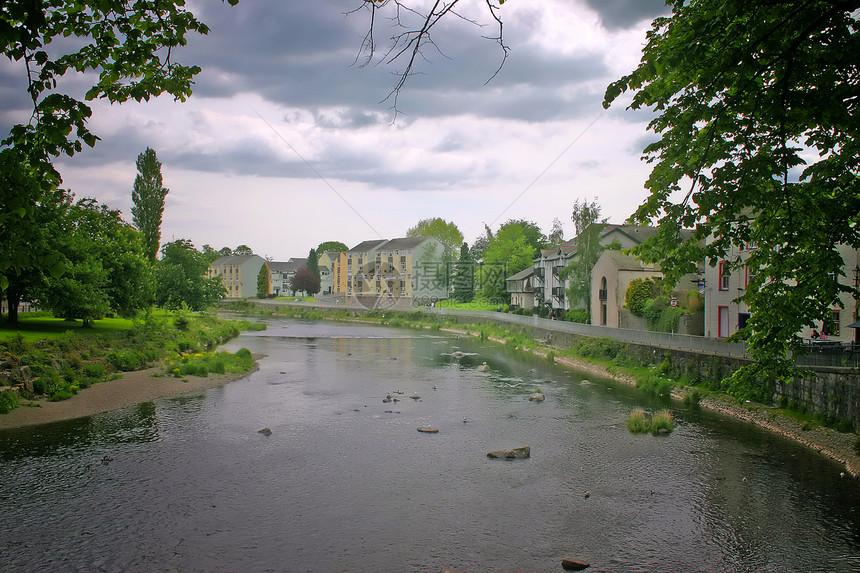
(346, 483)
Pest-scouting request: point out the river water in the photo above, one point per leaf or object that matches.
(346, 483)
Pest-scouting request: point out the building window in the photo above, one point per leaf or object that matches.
(831, 325)
(751, 273)
(725, 275)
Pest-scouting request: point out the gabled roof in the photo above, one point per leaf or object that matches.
(404, 243)
(366, 246)
(234, 260)
(523, 274)
(636, 233)
(290, 266)
(627, 263)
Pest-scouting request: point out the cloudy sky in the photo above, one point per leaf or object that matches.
(287, 142)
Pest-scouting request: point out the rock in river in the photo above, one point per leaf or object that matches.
(537, 397)
(428, 430)
(573, 565)
(265, 432)
(514, 454)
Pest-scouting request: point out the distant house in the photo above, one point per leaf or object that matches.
(610, 277)
(551, 290)
(326, 262)
(521, 288)
(396, 270)
(238, 273)
(282, 272)
(548, 287)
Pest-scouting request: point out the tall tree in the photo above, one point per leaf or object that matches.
(304, 280)
(584, 214)
(446, 232)
(263, 282)
(243, 250)
(181, 278)
(106, 268)
(556, 235)
(513, 248)
(481, 243)
(577, 273)
(757, 117)
(313, 263)
(33, 219)
(148, 197)
(464, 276)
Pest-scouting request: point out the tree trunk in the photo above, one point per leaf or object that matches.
(13, 297)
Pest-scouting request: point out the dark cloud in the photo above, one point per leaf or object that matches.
(620, 14)
(304, 55)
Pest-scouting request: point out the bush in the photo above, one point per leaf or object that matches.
(639, 293)
(577, 315)
(126, 360)
(8, 401)
(662, 421)
(638, 422)
(96, 370)
(60, 395)
(655, 386)
(692, 399)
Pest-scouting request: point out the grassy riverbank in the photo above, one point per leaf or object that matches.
(605, 357)
(49, 359)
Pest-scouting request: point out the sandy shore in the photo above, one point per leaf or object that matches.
(836, 445)
(133, 388)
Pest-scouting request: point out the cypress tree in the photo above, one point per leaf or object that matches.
(148, 198)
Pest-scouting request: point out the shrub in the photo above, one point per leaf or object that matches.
(639, 293)
(126, 360)
(692, 399)
(96, 370)
(577, 315)
(638, 422)
(60, 395)
(655, 386)
(662, 421)
(8, 401)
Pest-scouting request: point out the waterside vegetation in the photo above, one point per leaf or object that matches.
(52, 359)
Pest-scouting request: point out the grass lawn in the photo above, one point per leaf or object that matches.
(38, 327)
(477, 304)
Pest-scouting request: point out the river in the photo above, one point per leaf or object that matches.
(346, 483)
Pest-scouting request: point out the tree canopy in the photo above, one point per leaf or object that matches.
(331, 247)
(127, 46)
(513, 248)
(127, 50)
(446, 232)
(757, 121)
(181, 278)
(304, 280)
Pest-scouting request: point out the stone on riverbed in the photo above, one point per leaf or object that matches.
(428, 430)
(573, 565)
(514, 454)
(265, 432)
(537, 397)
